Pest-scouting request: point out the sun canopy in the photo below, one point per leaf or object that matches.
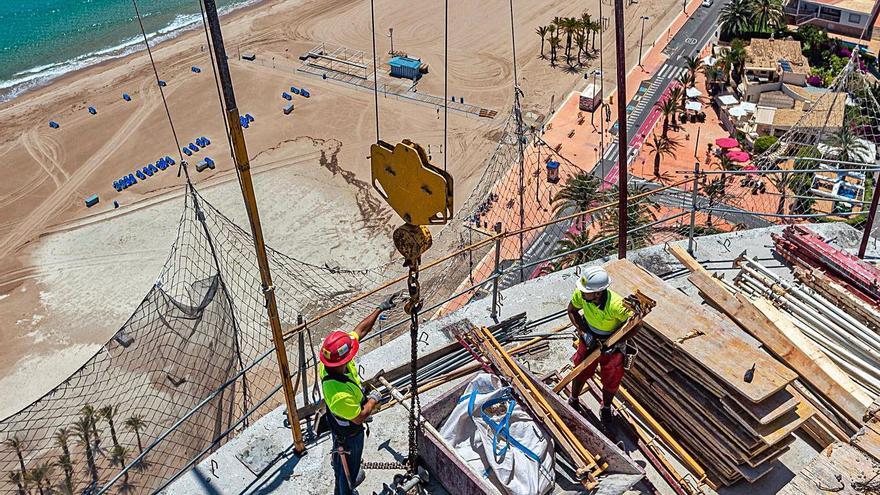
(727, 100)
(710, 60)
(693, 106)
(726, 143)
(738, 156)
(693, 93)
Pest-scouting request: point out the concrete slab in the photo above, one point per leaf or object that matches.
(224, 472)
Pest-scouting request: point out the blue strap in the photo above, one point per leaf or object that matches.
(503, 428)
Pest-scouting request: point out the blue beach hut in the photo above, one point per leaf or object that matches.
(195, 69)
(93, 111)
(162, 83)
(249, 117)
(206, 141)
(186, 151)
(147, 171)
(304, 93)
(140, 175)
(126, 97)
(131, 180)
(286, 95)
(192, 147)
(53, 124)
(170, 161)
(294, 90)
(405, 67)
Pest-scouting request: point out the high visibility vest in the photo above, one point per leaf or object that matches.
(604, 320)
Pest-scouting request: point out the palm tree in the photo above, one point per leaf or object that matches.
(767, 14)
(40, 475)
(17, 444)
(639, 213)
(108, 412)
(118, 456)
(667, 107)
(570, 26)
(88, 412)
(136, 424)
(82, 428)
(17, 479)
(687, 80)
(596, 28)
(659, 146)
(542, 32)
(62, 440)
(555, 44)
(577, 241)
(735, 18)
(734, 58)
(578, 193)
(693, 65)
(847, 146)
(581, 41)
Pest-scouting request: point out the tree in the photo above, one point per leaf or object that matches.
(542, 32)
(581, 41)
(767, 15)
(847, 146)
(640, 213)
(108, 412)
(136, 424)
(735, 18)
(678, 96)
(17, 479)
(118, 455)
(40, 477)
(88, 412)
(578, 193)
(62, 440)
(17, 445)
(576, 241)
(82, 428)
(569, 26)
(764, 143)
(734, 59)
(659, 146)
(555, 44)
(693, 65)
(667, 107)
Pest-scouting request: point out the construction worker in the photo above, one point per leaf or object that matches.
(348, 405)
(596, 313)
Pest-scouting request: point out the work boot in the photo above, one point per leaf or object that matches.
(607, 418)
(575, 403)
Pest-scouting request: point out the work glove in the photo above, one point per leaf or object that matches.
(375, 395)
(388, 303)
(588, 340)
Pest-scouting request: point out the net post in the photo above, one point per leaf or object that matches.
(693, 208)
(869, 222)
(242, 165)
(622, 215)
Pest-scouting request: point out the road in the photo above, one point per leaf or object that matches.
(687, 42)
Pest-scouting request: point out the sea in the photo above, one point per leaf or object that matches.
(41, 40)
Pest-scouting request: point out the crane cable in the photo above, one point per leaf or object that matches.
(161, 90)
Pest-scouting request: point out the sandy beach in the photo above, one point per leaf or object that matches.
(61, 296)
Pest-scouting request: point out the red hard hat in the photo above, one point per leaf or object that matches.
(338, 348)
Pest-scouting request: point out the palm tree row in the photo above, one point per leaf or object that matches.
(39, 479)
(578, 33)
(740, 17)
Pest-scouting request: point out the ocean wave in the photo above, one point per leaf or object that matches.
(41, 75)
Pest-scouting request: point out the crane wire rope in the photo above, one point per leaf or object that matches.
(517, 113)
(375, 74)
(161, 90)
(219, 93)
(445, 82)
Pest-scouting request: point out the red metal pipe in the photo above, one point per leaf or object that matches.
(623, 150)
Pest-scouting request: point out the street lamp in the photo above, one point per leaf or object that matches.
(391, 35)
(593, 96)
(641, 38)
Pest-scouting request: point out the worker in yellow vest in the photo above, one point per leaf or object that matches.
(596, 313)
(348, 405)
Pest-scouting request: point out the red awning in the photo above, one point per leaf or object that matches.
(738, 156)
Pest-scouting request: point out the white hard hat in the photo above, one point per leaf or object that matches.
(594, 279)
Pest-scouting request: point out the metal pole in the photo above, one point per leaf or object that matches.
(519, 141)
(693, 208)
(242, 164)
(872, 213)
(697, 143)
(303, 371)
(621, 119)
(641, 39)
(494, 312)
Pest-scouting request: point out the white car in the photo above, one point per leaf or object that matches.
(708, 3)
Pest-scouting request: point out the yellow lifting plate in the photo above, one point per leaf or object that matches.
(418, 191)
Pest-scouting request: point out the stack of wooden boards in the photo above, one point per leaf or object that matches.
(691, 374)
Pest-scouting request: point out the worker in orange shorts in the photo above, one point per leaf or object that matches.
(596, 313)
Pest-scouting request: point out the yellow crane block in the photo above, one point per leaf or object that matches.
(418, 191)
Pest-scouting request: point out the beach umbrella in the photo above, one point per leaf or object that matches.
(693, 93)
(726, 143)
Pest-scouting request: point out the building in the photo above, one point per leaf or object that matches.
(844, 17)
(769, 65)
(406, 67)
(820, 112)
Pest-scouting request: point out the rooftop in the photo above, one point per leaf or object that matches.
(409, 63)
(817, 115)
(865, 6)
(768, 54)
(260, 459)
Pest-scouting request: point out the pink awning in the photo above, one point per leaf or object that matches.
(738, 156)
(725, 143)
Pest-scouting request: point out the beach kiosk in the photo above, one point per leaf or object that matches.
(405, 67)
(590, 98)
(288, 109)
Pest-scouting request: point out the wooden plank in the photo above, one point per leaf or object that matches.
(676, 316)
(765, 411)
(837, 469)
(779, 335)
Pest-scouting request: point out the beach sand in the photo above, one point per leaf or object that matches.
(61, 296)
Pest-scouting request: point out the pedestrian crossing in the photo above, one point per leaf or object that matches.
(667, 72)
